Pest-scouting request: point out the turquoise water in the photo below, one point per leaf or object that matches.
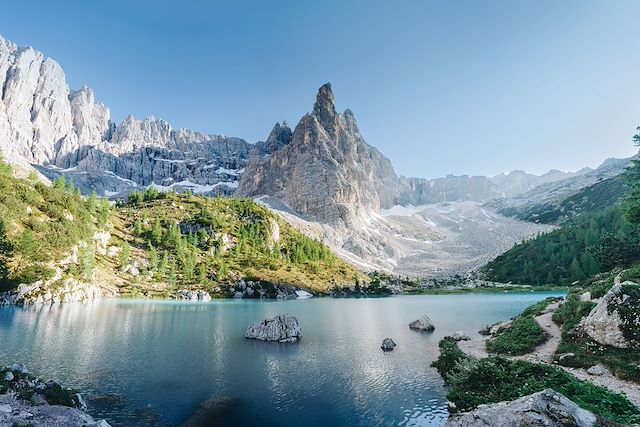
(160, 361)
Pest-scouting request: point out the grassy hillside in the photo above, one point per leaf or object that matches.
(201, 243)
(159, 242)
(39, 223)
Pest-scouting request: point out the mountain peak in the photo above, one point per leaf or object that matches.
(279, 137)
(324, 108)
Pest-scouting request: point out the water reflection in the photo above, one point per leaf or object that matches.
(163, 363)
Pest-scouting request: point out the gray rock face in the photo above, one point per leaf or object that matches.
(44, 122)
(550, 194)
(422, 324)
(283, 328)
(327, 172)
(388, 344)
(545, 408)
(604, 323)
(184, 294)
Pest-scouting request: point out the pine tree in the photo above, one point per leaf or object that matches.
(125, 253)
(86, 262)
(60, 183)
(92, 201)
(576, 271)
(173, 277)
(153, 258)
(6, 250)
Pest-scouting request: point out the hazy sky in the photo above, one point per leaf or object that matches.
(441, 87)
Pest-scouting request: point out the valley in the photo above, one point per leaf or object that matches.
(131, 249)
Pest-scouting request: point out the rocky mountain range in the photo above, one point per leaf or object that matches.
(322, 174)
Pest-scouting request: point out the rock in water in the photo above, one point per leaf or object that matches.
(545, 408)
(422, 324)
(460, 336)
(282, 328)
(387, 344)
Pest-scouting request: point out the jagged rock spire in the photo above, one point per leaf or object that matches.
(324, 108)
(279, 137)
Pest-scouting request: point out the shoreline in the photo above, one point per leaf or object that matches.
(443, 292)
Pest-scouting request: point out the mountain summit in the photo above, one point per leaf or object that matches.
(327, 173)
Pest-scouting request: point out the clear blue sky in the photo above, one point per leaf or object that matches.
(441, 87)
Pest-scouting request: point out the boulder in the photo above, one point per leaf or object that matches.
(586, 296)
(422, 324)
(8, 376)
(460, 336)
(545, 408)
(185, 294)
(597, 370)
(606, 322)
(19, 368)
(387, 344)
(283, 328)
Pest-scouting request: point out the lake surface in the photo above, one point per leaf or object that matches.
(142, 363)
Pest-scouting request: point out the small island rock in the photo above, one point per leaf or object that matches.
(460, 336)
(387, 344)
(422, 324)
(283, 328)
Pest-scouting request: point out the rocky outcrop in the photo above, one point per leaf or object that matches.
(420, 191)
(31, 401)
(54, 291)
(283, 328)
(14, 412)
(422, 324)
(545, 408)
(44, 122)
(184, 294)
(388, 344)
(279, 137)
(60, 288)
(615, 320)
(460, 336)
(327, 172)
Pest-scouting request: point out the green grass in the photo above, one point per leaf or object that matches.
(210, 242)
(523, 335)
(39, 224)
(622, 362)
(473, 382)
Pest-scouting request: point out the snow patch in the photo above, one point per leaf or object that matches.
(195, 188)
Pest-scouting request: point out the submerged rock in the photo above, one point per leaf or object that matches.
(387, 344)
(422, 324)
(545, 408)
(282, 328)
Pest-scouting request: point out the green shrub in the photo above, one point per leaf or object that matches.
(521, 337)
(473, 382)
